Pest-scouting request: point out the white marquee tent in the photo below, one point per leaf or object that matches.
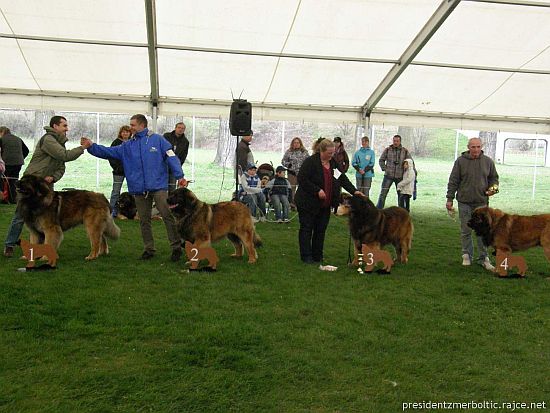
(482, 64)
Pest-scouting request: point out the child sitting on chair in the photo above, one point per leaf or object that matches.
(251, 192)
(280, 191)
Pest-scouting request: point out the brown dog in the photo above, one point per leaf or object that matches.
(378, 227)
(33, 252)
(202, 223)
(195, 254)
(372, 257)
(506, 262)
(48, 214)
(508, 233)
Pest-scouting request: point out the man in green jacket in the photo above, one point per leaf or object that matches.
(48, 162)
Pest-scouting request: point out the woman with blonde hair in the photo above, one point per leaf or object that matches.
(124, 134)
(293, 159)
(319, 185)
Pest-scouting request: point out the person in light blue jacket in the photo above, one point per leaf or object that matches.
(363, 162)
(146, 158)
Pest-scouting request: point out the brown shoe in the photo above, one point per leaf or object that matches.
(8, 251)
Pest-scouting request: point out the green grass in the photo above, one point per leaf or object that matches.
(122, 335)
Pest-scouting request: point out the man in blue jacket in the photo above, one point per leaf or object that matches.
(146, 158)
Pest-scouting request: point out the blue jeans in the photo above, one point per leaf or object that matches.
(15, 230)
(118, 180)
(386, 185)
(255, 201)
(280, 205)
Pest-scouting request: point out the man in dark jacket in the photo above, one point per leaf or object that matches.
(473, 180)
(180, 144)
(244, 154)
(14, 151)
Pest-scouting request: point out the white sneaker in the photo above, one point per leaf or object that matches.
(487, 264)
(466, 260)
(279, 221)
(263, 219)
(254, 219)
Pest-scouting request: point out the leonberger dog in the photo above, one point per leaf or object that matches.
(126, 206)
(507, 233)
(201, 223)
(48, 214)
(379, 227)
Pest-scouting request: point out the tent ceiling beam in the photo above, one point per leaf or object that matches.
(151, 19)
(436, 20)
(513, 2)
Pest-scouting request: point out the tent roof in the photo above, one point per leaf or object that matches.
(469, 64)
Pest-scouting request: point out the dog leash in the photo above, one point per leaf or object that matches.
(349, 248)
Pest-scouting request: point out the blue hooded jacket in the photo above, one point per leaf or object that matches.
(146, 159)
(364, 158)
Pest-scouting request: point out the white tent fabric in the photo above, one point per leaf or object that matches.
(486, 66)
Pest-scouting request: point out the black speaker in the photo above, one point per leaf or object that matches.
(240, 118)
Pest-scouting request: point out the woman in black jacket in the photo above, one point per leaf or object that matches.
(319, 182)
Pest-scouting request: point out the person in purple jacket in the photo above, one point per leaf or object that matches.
(146, 158)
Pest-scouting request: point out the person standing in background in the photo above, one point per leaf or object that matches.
(363, 162)
(124, 134)
(180, 144)
(14, 152)
(292, 160)
(391, 162)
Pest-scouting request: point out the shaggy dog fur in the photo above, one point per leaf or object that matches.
(378, 227)
(126, 206)
(507, 233)
(48, 214)
(202, 223)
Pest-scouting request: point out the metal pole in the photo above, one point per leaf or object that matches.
(456, 144)
(193, 153)
(97, 159)
(283, 141)
(535, 168)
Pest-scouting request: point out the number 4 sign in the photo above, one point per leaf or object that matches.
(506, 262)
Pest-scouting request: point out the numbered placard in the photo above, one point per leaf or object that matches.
(372, 256)
(196, 254)
(506, 262)
(33, 252)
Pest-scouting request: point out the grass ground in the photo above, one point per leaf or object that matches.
(122, 335)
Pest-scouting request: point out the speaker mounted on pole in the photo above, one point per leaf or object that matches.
(240, 118)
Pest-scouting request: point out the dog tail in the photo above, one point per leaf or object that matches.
(112, 231)
(257, 240)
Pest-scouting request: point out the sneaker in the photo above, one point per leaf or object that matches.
(147, 255)
(8, 251)
(263, 219)
(487, 264)
(279, 221)
(466, 260)
(286, 220)
(254, 220)
(176, 254)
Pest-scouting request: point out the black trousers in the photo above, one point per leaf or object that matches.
(12, 173)
(311, 235)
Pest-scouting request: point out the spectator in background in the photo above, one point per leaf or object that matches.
(244, 154)
(473, 180)
(180, 144)
(319, 183)
(405, 187)
(14, 152)
(124, 134)
(391, 162)
(146, 159)
(279, 191)
(293, 159)
(342, 161)
(2, 164)
(252, 193)
(363, 162)
(48, 162)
